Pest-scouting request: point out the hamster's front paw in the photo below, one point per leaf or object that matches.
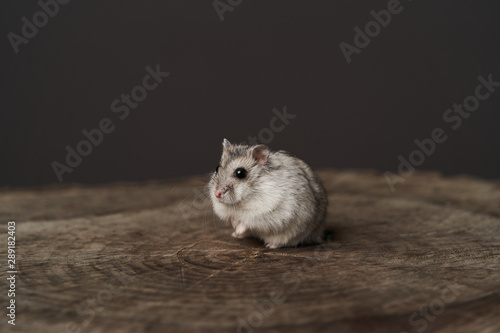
(272, 245)
(241, 231)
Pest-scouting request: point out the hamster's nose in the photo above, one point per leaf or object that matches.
(218, 194)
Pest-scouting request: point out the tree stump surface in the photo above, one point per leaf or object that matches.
(151, 257)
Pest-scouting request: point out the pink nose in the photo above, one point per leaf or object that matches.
(218, 194)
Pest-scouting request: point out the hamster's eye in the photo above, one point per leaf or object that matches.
(240, 173)
(217, 168)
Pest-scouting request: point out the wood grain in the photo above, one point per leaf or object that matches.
(151, 257)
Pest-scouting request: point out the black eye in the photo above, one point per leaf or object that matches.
(217, 168)
(240, 173)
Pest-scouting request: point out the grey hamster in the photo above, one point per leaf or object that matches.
(271, 195)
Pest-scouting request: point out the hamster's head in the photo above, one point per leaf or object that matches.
(238, 173)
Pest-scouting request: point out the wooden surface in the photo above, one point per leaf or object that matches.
(150, 257)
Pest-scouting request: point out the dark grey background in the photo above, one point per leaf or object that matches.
(226, 77)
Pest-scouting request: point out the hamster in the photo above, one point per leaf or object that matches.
(271, 195)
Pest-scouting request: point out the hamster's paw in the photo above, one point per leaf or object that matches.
(241, 231)
(275, 242)
(236, 235)
(272, 245)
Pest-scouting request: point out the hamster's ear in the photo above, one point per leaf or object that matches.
(226, 143)
(260, 153)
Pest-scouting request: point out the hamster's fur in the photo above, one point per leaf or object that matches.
(271, 195)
